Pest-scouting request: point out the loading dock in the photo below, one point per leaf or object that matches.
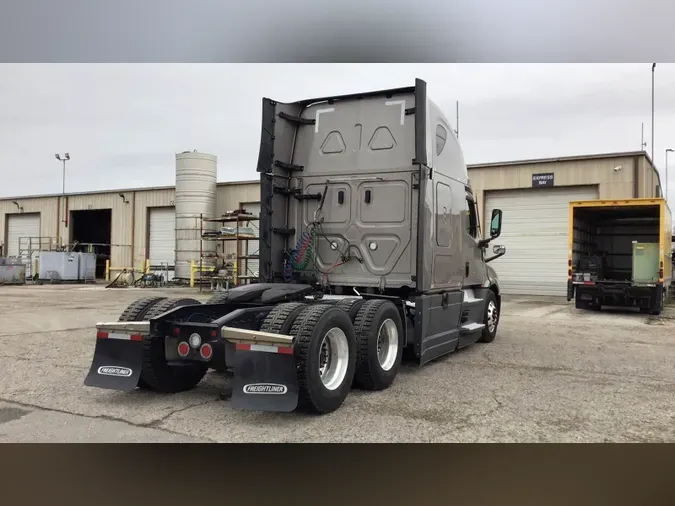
(90, 231)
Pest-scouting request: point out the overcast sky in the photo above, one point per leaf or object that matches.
(122, 124)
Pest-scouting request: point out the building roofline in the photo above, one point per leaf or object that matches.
(121, 190)
(592, 156)
(531, 161)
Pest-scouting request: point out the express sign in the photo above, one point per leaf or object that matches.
(542, 180)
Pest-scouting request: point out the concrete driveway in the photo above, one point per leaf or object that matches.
(552, 374)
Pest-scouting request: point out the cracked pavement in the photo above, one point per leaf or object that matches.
(554, 374)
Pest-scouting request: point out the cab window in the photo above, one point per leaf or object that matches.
(472, 222)
(441, 138)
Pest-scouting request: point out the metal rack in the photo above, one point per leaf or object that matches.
(243, 254)
(29, 250)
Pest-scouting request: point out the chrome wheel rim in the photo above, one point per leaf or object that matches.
(387, 344)
(492, 316)
(333, 358)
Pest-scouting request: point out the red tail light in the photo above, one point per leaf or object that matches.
(660, 273)
(569, 273)
(183, 349)
(206, 351)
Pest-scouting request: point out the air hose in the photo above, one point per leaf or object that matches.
(301, 254)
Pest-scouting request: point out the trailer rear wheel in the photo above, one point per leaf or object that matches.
(491, 318)
(281, 318)
(352, 306)
(379, 337)
(156, 374)
(325, 356)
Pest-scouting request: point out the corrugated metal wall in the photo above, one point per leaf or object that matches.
(47, 207)
(129, 227)
(578, 172)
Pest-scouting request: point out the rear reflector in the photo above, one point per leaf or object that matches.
(284, 350)
(113, 335)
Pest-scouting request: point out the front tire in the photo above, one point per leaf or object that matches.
(490, 318)
(325, 357)
(379, 337)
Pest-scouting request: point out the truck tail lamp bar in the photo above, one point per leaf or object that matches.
(130, 331)
(255, 340)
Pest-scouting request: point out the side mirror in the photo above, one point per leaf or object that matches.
(496, 223)
(499, 250)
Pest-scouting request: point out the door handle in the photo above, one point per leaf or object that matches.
(466, 269)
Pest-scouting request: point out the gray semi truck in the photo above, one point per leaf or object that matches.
(370, 247)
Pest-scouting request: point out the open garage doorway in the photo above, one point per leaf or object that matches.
(90, 231)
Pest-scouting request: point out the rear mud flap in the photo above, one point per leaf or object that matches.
(264, 382)
(116, 365)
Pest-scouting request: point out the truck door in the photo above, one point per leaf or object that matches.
(474, 267)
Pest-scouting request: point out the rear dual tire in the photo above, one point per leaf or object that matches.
(379, 336)
(336, 345)
(325, 357)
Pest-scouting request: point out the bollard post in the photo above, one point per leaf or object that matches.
(107, 270)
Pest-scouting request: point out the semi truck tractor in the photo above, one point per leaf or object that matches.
(620, 254)
(370, 248)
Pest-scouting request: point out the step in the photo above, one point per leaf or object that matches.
(471, 327)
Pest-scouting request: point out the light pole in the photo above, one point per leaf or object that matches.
(667, 151)
(65, 158)
(653, 68)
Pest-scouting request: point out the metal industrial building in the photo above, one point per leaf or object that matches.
(139, 224)
(533, 194)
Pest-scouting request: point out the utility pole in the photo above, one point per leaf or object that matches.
(667, 151)
(65, 158)
(653, 68)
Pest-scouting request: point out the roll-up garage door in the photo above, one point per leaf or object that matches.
(534, 231)
(21, 227)
(162, 248)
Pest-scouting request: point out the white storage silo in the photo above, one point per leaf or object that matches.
(196, 175)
